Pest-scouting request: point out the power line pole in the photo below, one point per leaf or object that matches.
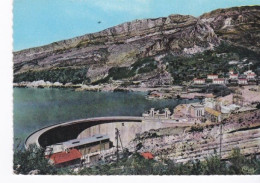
(117, 153)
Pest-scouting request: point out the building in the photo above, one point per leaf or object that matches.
(212, 115)
(212, 76)
(61, 159)
(147, 155)
(250, 74)
(242, 81)
(219, 81)
(196, 110)
(155, 114)
(210, 102)
(233, 76)
(91, 148)
(199, 81)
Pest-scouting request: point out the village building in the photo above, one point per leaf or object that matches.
(196, 110)
(155, 114)
(250, 74)
(61, 159)
(199, 81)
(219, 81)
(210, 102)
(242, 81)
(212, 115)
(233, 76)
(147, 155)
(212, 76)
(90, 148)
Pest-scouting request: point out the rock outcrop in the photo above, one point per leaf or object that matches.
(239, 131)
(124, 44)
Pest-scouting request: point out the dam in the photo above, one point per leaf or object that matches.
(129, 126)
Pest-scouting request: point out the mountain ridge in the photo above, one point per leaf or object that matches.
(127, 43)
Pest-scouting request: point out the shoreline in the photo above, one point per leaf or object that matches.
(102, 87)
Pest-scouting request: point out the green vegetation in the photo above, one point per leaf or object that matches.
(209, 62)
(137, 165)
(134, 164)
(62, 75)
(33, 159)
(182, 68)
(141, 66)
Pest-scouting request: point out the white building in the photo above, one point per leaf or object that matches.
(219, 81)
(229, 108)
(199, 81)
(233, 76)
(210, 103)
(212, 76)
(157, 115)
(196, 110)
(242, 81)
(250, 74)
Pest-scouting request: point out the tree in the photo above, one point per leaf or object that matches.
(32, 159)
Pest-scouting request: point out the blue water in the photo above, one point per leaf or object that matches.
(36, 108)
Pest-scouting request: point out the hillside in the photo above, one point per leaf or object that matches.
(176, 47)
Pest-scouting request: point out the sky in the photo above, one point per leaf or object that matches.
(40, 22)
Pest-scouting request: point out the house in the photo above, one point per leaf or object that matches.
(66, 158)
(212, 115)
(90, 148)
(233, 76)
(147, 155)
(250, 74)
(219, 81)
(196, 110)
(199, 81)
(212, 76)
(242, 81)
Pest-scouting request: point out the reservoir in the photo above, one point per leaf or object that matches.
(35, 108)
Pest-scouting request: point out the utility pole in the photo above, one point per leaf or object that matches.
(118, 138)
(117, 153)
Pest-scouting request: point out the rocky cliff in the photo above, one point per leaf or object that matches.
(183, 144)
(126, 45)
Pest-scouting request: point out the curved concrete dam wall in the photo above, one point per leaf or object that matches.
(129, 126)
(128, 130)
(70, 130)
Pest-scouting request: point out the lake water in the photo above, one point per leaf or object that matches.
(36, 108)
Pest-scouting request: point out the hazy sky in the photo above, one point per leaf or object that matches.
(39, 22)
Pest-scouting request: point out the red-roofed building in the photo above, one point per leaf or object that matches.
(233, 76)
(251, 76)
(212, 76)
(71, 157)
(147, 155)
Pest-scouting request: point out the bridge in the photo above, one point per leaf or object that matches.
(70, 130)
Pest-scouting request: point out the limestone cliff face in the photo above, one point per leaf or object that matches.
(124, 44)
(240, 131)
(238, 25)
